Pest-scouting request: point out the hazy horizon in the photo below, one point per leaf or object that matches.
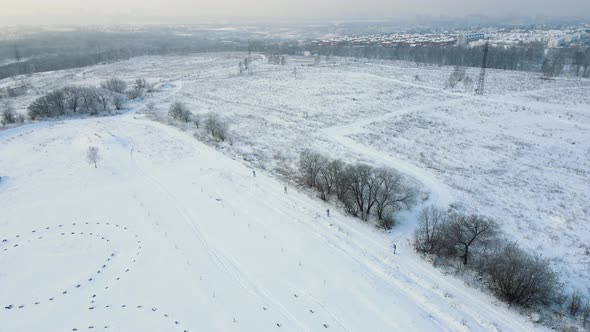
(36, 12)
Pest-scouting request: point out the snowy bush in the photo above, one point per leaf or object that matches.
(216, 127)
(519, 277)
(86, 100)
(8, 114)
(114, 85)
(180, 112)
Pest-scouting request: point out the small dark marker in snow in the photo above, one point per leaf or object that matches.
(21, 306)
(326, 325)
(278, 325)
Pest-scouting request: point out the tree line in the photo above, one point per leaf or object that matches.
(112, 94)
(363, 190)
(215, 126)
(48, 51)
(513, 274)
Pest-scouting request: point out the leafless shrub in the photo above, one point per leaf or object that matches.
(179, 111)
(216, 127)
(114, 85)
(521, 278)
(8, 114)
(119, 101)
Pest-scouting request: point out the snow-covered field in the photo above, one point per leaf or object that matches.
(171, 235)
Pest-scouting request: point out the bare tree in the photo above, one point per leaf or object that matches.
(430, 235)
(179, 111)
(216, 127)
(92, 155)
(470, 230)
(393, 193)
(119, 101)
(8, 114)
(73, 98)
(138, 89)
(114, 85)
(310, 165)
(358, 183)
(327, 178)
(105, 99)
(521, 278)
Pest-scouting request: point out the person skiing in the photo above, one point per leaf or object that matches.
(285, 189)
(254, 173)
(394, 248)
(328, 212)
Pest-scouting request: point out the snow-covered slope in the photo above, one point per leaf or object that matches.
(170, 235)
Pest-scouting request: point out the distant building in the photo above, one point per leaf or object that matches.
(553, 43)
(470, 37)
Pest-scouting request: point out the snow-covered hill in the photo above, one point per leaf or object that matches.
(170, 235)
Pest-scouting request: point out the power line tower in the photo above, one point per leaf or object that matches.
(482, 74)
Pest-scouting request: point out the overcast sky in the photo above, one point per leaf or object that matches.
(190, 11)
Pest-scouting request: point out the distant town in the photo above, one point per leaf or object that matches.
(552, 37)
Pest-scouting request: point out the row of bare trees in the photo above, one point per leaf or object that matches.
(510, 272)
(85, 100)
(112, 94)
(363, 190)
(215, 126)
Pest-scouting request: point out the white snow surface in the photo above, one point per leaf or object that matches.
(171, 235)
(168, 234)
